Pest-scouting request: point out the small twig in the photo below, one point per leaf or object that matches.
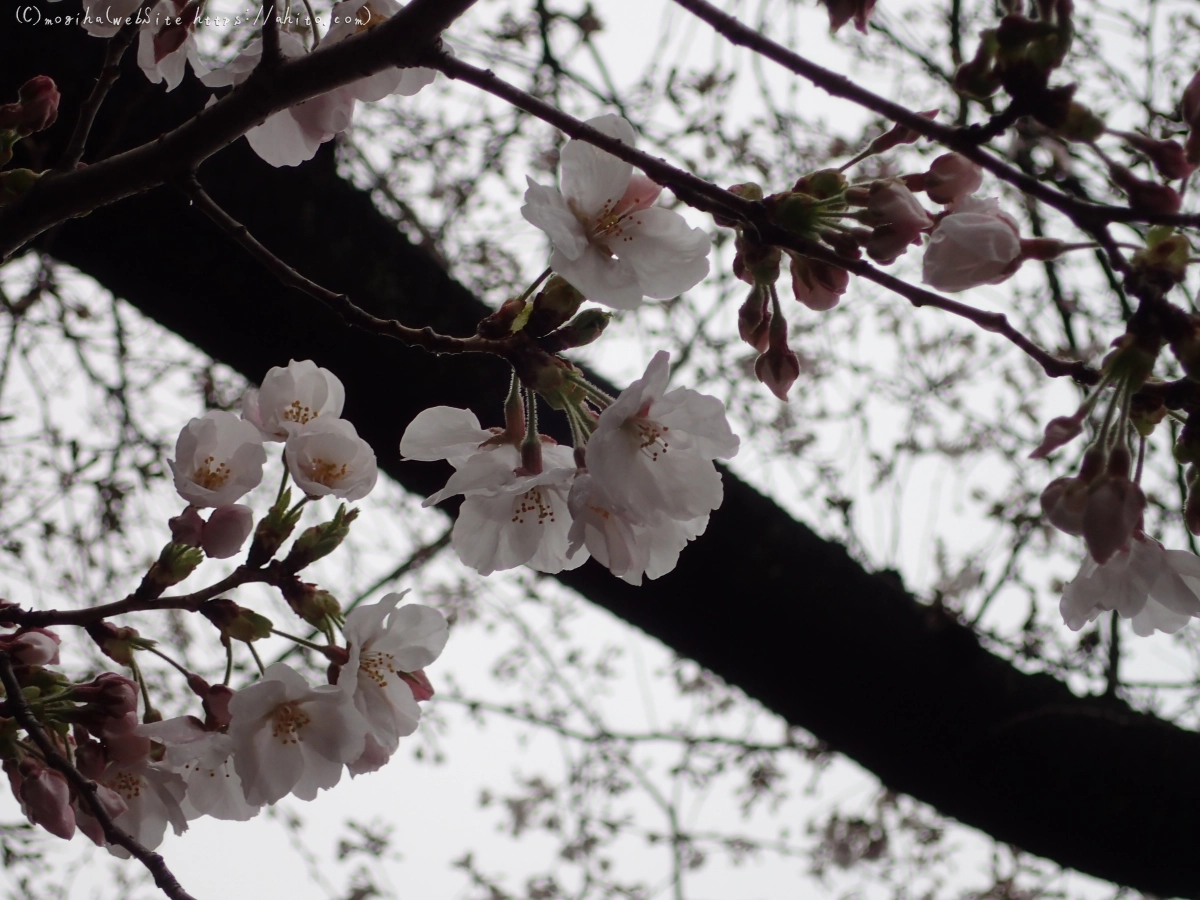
(85, 787)
(708, 197)
(109, 73)
(426, 338)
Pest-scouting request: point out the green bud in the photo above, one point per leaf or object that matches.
(1081, 125)
(822, 184)
(580, 331)
(315, 606)
(273, 529)
(235, 621)
(798, 213)
(175, 563)
(118, 644)
(747, 191)
(320, 540)
(553, 305)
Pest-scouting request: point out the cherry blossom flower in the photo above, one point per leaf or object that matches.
(104, 18)
(899, 221)
(951, 177)
(618, 541)
(379, 674)
(32, 646)
(290, 136)
(975, 244)
(291, 396)
(609, 242)
(164, 52)
(510, 518)
(652, 451)
(352, 17)
(816, 284)
(289, 737)
(45, 797)
(218, 458)
(226, 530)
(328, 457)
(152, 795)
(1155, 587)
(203, 759)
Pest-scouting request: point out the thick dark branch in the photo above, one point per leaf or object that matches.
(706, 196)
(59, 196)
(86, 788)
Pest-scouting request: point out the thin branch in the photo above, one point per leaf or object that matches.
(85, 787)
(400, 41)
(708, 197)
(109, 73)
(353, 314)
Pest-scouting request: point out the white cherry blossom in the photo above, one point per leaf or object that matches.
(652, 451)
(977, 243)
(618, 541)
(218, 458)
(328, 457)
(166, 45)
(609, 242)
(152, 794)
(203, 759)
(290, 136)
(289, 737)
(386, 659)
(509, 518)
(351, 17)
(1155, 587)
(291, 396)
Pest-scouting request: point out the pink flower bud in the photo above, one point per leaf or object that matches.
(226, 530)
(888, 243)
(32, 647)
(39, 104)
(778, 369)
(818, 285)
(46, 796)
(216, 705)
(1059, 431)
(115, 694)
(1145, 196)
(1114, 509)
(754, 319)
(841, 11)
(418, 682)
(976, 243)
(952, 176)
(891, 203)
(1190, 104)
(1168, 157)
(187, 527)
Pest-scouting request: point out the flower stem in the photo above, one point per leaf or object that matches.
(137, 676)
(261, 668)
(533, 287)
(303, 642)
(228, 662)
(284, 480)
(179, 668)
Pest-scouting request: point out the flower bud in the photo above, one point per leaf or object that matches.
(1187, 445)
(175, 563)
(226, 530)
(118, 644)
(754, 318)
(216, 706)
(45, 797)
(756, 263)
(1190, 103)
(824, 184)
(897, 135)
(747, 191)
(310, 603)
(1064, 502)
(1164, 260)
(236, 622)
(273, 529)
(1114, 508)
(503, 321)
(579, 332)
(1145, 196)
(1080, 124)
(842, 11)
(32, 647)
(817, 284)
(187, 527)
(1168, 157)
(557, 302)
(779, 367)
(951, 176)
(977, 77)
(797, 213)
(1059, 431)
(39, 104)
(320, 540)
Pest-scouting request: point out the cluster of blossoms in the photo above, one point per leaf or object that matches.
(280, 734)
(167, 43)
(640, 481)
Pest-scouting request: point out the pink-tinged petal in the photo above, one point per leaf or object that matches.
(281, 141)
(547, 209)
(443, 432)
(639, 194)
(374, 757)
(592, 180)
(601, 278)
(668, 255)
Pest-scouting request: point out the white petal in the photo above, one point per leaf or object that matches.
(443, 432)
(667, 254)
(600, 277)
(591, 178)
(545, 208)
(280, 141)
